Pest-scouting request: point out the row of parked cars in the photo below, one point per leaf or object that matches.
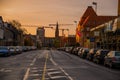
(13, 50)
(99, 56)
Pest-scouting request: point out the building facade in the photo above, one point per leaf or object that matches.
(71, 40)
(108, 35)
(41, 36)
(9, 35)
(89, 20)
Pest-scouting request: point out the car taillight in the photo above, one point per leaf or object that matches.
(113, 59)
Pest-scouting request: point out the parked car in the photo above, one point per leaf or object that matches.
(99, 56)
(68, 49)
(75, 50)
(91, 53)
(80, 52)
(12, 50)
(112, 59)
(84, 52)
(4, 51)
(18, 49)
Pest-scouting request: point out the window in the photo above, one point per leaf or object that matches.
(88, 29)
(117, 53)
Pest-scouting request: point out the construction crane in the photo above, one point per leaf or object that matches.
(64, 30)
(57, 27)
(36, 26)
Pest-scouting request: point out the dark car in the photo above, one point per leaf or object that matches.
(4, 51)
(75, 50)
(84, 52)
(80, 52)
(99, 56)
(112, 59)
(91, 53)
(68, 49)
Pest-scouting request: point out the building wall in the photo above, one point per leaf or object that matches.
(41, 35)
(118, 7)
(49, 42)
(90, 20)
(71, 40)
(9, 35)
(107, 38)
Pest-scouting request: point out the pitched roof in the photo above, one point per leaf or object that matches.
(94, 19)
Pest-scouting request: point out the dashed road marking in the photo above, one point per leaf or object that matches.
(26, 74)
(34, 71)
(34, 68)
(1, 70)
(50, 73)
(56, 77)
(33, 62)
(5, 70)
(8, 71)
(49, 70)
(61, 69)
(34, 75)
(28, 69)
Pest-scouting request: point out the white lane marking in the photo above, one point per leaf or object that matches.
(1, 70)
(53, 62)
(28, 69)
(50, 73)
(52, 69)
(8, 71)
(34, 71)
(34, 68)
(56, 77)
(34, 75)
(61, 69)
(26, 74)
(33, 62)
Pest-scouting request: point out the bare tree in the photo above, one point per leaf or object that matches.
(17, 25)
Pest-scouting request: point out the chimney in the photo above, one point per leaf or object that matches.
(118, 7)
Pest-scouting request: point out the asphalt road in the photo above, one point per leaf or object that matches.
(53, 65)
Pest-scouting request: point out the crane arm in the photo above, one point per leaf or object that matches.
(61, 24)
(36, 26)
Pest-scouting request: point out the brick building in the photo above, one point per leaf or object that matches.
(89, 20)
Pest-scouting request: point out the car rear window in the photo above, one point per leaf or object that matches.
(3, 48)
(104, 52)
(117, 53)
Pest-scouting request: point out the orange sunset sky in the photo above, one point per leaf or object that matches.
(45, 12)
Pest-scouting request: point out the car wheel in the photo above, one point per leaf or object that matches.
(104, 63)
(97, 62)
(111, 65)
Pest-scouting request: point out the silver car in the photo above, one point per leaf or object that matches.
(112, 59)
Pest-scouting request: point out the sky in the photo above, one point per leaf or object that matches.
(45, 12)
